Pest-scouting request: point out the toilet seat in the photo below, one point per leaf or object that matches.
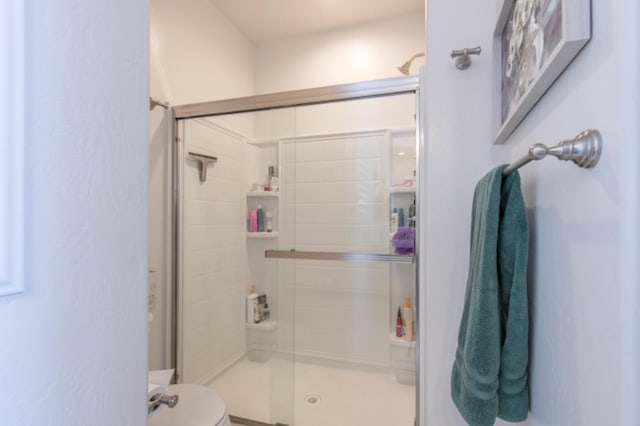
(197, 406)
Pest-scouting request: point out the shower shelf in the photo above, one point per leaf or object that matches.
(263, 194)
(263, 234)
(403, 190)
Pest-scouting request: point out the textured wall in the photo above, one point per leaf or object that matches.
(584, 223)
(196, 55)
(363, 52)
(74, 343)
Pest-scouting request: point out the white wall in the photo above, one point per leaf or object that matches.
(584, 223)
(73, 344)
(364, 52)
(196, 55)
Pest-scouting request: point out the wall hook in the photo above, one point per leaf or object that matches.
(463, 61)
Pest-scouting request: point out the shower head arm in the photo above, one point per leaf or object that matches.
(404, 68)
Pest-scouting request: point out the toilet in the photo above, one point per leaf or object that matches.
(197, 406)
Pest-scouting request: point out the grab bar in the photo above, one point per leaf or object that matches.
(341, 257)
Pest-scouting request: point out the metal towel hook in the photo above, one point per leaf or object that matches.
(463, 61)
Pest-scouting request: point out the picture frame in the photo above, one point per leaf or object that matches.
(534, 41)
(11, 147)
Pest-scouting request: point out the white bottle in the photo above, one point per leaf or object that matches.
(268, 221)
(394, 222)
(252, 305)
(408, 319)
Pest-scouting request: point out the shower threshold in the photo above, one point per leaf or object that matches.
(248, 422)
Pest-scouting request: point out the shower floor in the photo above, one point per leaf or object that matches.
(342, 397)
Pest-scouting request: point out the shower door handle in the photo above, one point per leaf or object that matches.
(339, 256)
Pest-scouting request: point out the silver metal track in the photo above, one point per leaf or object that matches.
(338, 256)
(318, 95)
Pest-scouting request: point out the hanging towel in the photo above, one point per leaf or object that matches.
(490, 372)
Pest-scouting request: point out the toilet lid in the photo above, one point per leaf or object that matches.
(197, 406)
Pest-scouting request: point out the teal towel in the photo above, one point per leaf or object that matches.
(490, 372)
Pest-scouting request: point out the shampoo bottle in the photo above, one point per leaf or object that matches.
(252, 305)
(260, 214)
(253, 221)
(394, 221)
(412, 214)
(399, 324)
(268, 221)
(409, 327)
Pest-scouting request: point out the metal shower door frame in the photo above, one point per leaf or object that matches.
(319, 95)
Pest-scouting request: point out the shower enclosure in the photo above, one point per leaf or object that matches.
(295, 253)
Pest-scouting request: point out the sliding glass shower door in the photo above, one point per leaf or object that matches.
(297, 273)
(346, 251)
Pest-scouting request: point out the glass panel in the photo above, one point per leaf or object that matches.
(315, 343)
(347, 174)
(242, 351)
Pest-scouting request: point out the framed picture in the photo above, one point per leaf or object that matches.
(534, 41)
(11, 146)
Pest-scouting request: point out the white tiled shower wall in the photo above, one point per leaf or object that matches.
(336, 311)
(336, 198)
(214, 253)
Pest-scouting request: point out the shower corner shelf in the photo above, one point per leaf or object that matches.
(403, 190)
(263, 325)
(263, 194)
(263, 234)
(401, 342)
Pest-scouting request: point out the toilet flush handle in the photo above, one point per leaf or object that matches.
(158, 399)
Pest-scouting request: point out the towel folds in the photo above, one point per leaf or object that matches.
(490, 373)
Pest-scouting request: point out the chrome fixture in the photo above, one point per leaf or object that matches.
(154, 103)
(203, 162)
(463, 61)
(584, 150)
(343, 257)
(158, 399)
(404, 68)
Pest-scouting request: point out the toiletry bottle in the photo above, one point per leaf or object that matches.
(266, 312)
(400, 217)
(268, 221)
(412, 214)
(252, 305)
(408, 320)
(262, 301)
(399, 324)
(269, 176)
(260, 214)
(394, 221)
(253, 221)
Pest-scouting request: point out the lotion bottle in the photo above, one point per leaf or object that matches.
(394, 221)
(268, 221)
(252, 305)
(409, 327)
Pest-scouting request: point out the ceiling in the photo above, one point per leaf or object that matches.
(263, 20)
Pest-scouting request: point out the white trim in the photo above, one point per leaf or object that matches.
(12, 147)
